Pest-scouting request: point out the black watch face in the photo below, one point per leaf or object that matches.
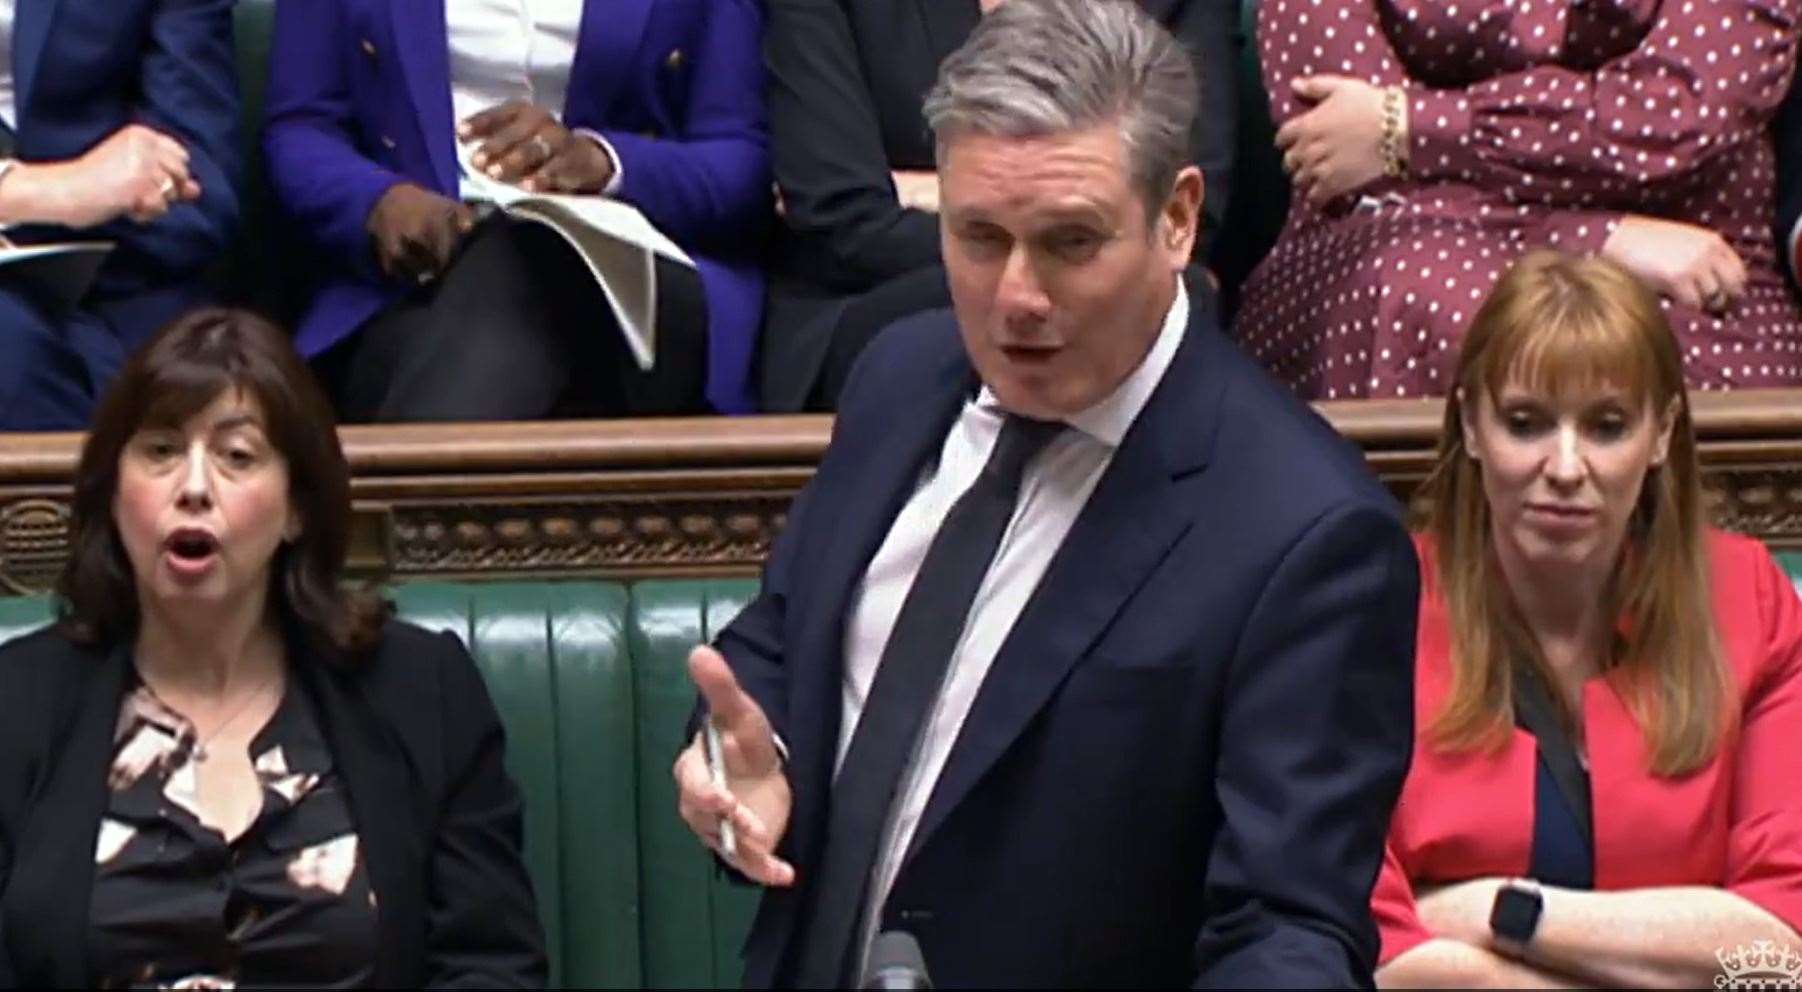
(1515, 915)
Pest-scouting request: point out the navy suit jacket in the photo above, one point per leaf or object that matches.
(83, 69)
(1180, 768)
(359, 99)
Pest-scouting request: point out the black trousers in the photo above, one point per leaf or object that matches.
(810, 342)
(516, 329)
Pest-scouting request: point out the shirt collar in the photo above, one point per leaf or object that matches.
(1108, 419)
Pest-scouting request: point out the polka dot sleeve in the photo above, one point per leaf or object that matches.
(1575, 232)
(1706, 78)
(1298, 38)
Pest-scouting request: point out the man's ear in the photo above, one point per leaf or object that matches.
(1181, 214)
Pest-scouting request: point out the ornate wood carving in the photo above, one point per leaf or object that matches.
(34, 543)
(645, 498)
(719, 534)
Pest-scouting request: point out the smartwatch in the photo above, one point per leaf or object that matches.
(1514, 916)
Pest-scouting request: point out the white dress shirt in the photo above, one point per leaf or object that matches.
(1055, 487)
(9, 94)
(503, 50)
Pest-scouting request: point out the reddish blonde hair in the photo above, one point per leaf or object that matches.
(1558, 324)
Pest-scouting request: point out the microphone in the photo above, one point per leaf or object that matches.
(896, 963)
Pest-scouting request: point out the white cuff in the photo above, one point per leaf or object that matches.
(619, 171)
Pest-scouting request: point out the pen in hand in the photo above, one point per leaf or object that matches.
(716, 766)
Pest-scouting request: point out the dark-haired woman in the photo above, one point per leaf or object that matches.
(1606, 787)
(220, 768)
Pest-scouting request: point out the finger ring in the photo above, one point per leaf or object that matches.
(1717, 300)
(543, 146)
(167, 187)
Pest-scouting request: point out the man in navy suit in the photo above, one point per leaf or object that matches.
(1086, 657)
(425, 315)
(118, 122)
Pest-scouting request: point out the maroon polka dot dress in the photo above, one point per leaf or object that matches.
(1532, 123)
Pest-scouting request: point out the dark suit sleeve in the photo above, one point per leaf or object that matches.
(1314, 742)
(188, 90)
(482, 924)
(1206, 28)
(1788, 131)
(752, 642)
(840, 204)
(710, 184)
(317, 170)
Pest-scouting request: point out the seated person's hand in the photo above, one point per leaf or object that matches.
(917, 189)
(1335, 147)
(136, 172)
(522, 143)
(756, 797)
(415, 231)
(1690, 264)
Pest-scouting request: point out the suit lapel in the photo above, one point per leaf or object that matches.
(31, 32)
(1142, 505)
(71, 810)
(381, 796)
(609, 37)
(422, 43)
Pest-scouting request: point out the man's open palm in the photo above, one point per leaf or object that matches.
(756, 796)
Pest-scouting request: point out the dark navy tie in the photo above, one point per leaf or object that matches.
(907, 682)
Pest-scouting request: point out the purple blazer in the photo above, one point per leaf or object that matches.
(359, 99)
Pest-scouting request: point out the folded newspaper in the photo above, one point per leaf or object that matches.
(616, 242)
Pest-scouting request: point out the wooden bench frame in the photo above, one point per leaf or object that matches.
(655, 498)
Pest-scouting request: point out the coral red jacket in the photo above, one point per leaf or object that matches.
(1736, 823)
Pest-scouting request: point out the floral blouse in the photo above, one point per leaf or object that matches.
(287, 903)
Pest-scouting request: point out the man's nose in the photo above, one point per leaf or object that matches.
(1021, 292)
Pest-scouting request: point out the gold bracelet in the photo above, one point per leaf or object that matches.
(1391, 147)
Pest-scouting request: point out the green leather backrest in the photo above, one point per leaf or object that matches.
(259, 270)
(22, 614)
(693, 920)
(1792, 563)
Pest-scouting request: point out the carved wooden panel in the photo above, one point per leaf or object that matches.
(647, 498)
(717, 534)
(34, 543)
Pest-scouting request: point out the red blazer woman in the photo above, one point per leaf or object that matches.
(1736, 823)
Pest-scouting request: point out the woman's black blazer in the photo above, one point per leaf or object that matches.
(417, 743)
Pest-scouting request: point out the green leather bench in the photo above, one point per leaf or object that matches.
(591, 681)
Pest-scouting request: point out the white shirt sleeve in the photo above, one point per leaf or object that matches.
(619, 171)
